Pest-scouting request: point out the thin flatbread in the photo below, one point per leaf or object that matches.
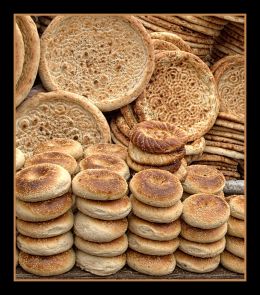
(223, 152)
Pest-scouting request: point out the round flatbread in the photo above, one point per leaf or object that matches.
(107, 59)
(181, 91)
(31, 57)
(59, 114)
(230, 80)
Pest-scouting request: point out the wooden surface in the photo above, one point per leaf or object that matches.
(127, 274)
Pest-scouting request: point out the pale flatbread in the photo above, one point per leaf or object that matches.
(196, 147)
(18, 53)
(233, 18)
(59, 114)
(223, 139)
(229, 173)
(181, 91)
(214, 19)
(230, 117)
(226, 129)
(198, 21)
(31, 57)
(230, 146)
(229, 124)
(107, 59)
(223, 152)
(218, 158)
(172, 38)
(122, 125)
(163, 45)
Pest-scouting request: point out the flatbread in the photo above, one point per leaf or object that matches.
(146, 158)
(31, 57)
(116, 141)
(182, 92)
(219, 167)
(18, 53)
(229, 173)
(226, 129)
(215, 158)
(223, 139)
(117, 134)
(199, 45)
(223, 152)
(198, 21)
(200, 51)
(172, 38)
(122, 125)
(229, 124)
(197, 28)
(216, 163)
(107, 59)
(163, 45)
(59, 114)
(231, 40)
(227, 134)
(230, 117)
(230, 146)
(196, 147)
(229, 45)
(214, 19)
(129, 116)
(233, 33)
(233, 18)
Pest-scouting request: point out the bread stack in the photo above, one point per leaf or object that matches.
(225, 140)
(100, 223)
(203, 229)
(197, 31)
(154, 225)
(231, 39)
(157, 145)
(203, 179)
(233, 256)
(106, 156)
(44, 219)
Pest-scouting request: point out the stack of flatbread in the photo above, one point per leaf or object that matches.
(225, 140)
(231, 39)
(198, 31)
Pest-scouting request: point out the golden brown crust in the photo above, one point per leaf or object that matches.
(129, 115)
(115, 83)
(99, 184)
(152, 159)
(173, 167)
(42, 182)
(235, 246)
(156, 187)
(106, 161)
(45, 210)
(117, 133)
(106, 148)
(97, 230)
(196, 147)
(203, 179)
(237, 206)
(236, 227)
(108, 249)
(152, 230)
(202, 250)
(58, 158)
(150, 264)
(105, 210)
(122, 125)
(46, 229)
(151, 247)
(62, 145)
(196, 264)
(47, 265)
(232, 262)
(198, 235)
(205, 211)
(158, 137)
(156, 214)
